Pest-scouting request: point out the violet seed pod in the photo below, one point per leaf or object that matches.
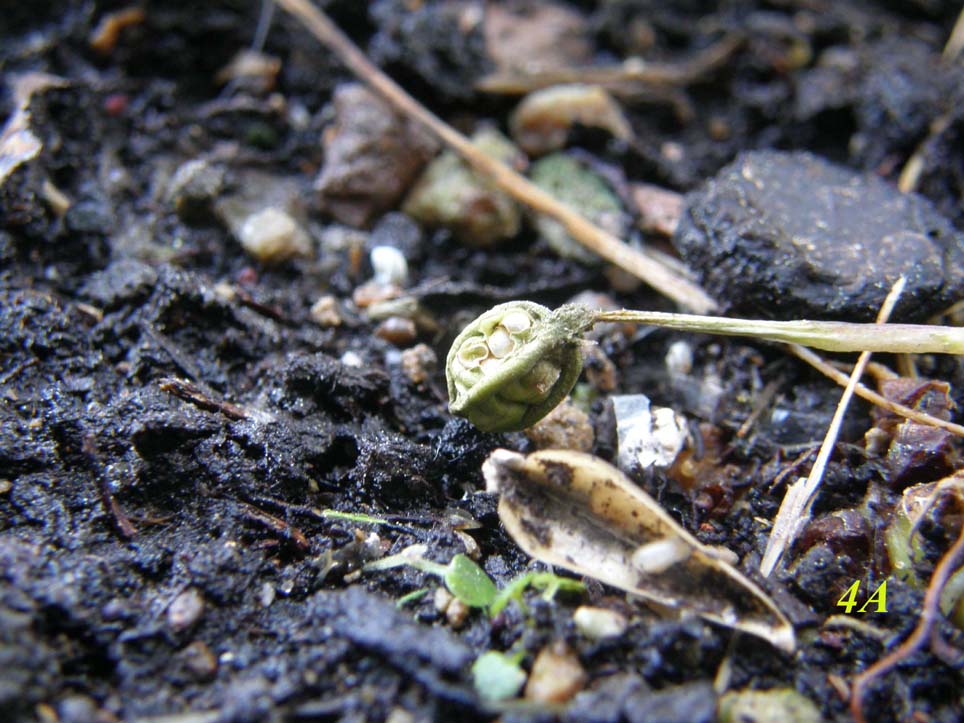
(513, 364)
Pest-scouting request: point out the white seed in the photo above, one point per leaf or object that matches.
(500, 343)
(516, 321)
(659, 556)
(490, 365)
(389, 265)
(472, 353)
(597, 623)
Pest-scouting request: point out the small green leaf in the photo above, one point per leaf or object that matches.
(410, 597)
(469, 583)
(497, 676)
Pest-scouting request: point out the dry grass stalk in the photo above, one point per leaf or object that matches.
(663, 279)
(795, 509)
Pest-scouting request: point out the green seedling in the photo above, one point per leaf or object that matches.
(411, 597)
(464, 579)
(358, 518)
(513, 364)
(548, 582)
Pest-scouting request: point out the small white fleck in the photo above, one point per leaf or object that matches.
(679, 358)
(389, 265)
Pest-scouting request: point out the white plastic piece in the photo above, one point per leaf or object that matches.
(647, 436)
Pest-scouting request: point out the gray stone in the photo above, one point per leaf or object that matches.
(789, 235)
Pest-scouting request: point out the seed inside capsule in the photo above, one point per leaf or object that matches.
(500, 344)
(472, 353)
(516, 321)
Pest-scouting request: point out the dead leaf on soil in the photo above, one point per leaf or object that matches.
(580, 513)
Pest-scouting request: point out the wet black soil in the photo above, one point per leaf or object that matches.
(173, 420)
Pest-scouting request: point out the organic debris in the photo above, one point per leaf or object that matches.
(576, 511)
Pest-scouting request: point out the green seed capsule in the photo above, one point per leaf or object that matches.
(515, 363)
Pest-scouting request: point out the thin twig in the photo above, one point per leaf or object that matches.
(871, 396)
(913, 169)
(284, 529)
(955, 43)
(191, 392)
(759, 405)
(601, 242)
(627, 77)
(929, 615)
(795, 508)
(122, 525)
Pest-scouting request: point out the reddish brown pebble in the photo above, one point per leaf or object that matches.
(115, 104)
(659, 208)
(199, 659)
(396, 330)
(373, 292)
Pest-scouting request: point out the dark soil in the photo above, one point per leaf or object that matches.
(173, 421)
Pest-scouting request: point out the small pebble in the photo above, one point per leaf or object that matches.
(272, 236)
(659, 208)
(442, 599)
(556, 675)
(77, 709)
(372, 156)
(400, 715)
(267, 595)
(192, 188)
(186, 609)
(679, 358)
(452, 195)
(326, 313)
(597, 623)
(397, 330)
(457, 613)
(419, 363)
(199, 659)
(352, 359)
(249, 69)
(763, 706)
(373, 292)
(565, 427)
(536, 35)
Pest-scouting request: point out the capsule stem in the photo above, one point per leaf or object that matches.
(836, 336)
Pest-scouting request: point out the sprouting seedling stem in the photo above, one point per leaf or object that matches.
(827, 335)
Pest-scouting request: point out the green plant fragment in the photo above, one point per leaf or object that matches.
(411, 597)
(497, 676)
(469, 583)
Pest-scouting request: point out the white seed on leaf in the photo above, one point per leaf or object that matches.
(656, 557)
